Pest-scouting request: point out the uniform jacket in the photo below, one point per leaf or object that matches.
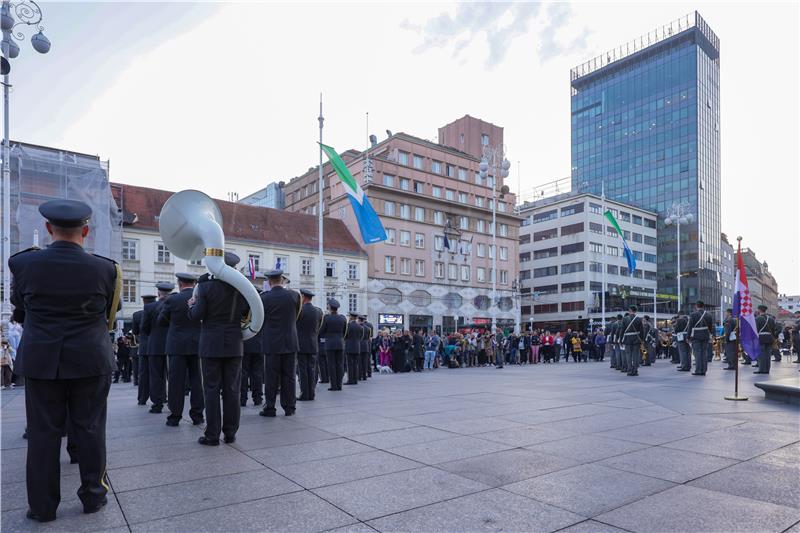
(701, 325)
(281, 310)
(369, 331)
(308, 324)
(352, 338)
(141, 336)
(183, 335)
(62, 295)
(727, 327)
(220, 309)
(332, 330)
(418, 343)
(156, 333)
(682, 326)
(766, 328)
(632, 331)
(255, 344)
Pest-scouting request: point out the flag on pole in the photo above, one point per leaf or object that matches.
(628, 253)
(251, 267)
(743, 310)
(446, 242)
(368, 222)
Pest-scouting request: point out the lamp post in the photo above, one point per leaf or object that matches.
(13, 14)
(494, 160)
(678, 214)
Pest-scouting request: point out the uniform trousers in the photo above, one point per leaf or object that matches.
(364, 365)
(352, 368)
(221, 374)
(158, 379)
(281, 369)
(123, 369)
(684, 356)
(633, 355)
(335, 360)
(765, 359)
(144, 379)
(700, 351)
(135, 369)
(307, 369)
(731, 354)
(623, 357)
(252, 377)
(181, 366)
(322, 365)
(47, 403)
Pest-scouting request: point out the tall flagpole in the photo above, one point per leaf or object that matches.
(603, 256)
(321, 259)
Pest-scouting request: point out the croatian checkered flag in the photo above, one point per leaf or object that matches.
(743, 310)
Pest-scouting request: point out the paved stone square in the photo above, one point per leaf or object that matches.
(560, 447)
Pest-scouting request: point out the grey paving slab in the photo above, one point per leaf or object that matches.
(671, 429)
(491, 510)
(739, 442)
(15, 495)
(524, 436)
(440, 451)
(786, 456)
(402, 437)
(684, 508)
(678, 466)
(509, 466)
(69, 517)
(758, 479)
(383, 495)
(146, 455)
(308, 451)
(588, 489)
(269, 438)
(297, 512)
(587, 448)
(342, 469)
(181, 498)
(477, 425)
(359, 527)
(591, 526)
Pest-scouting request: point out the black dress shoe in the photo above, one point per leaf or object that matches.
(205, 441)
(683, 370)
(94, 508)
(33, 516)
(289, 412)
(698, 373)
(73, 460)
(172, 423)
(230, 439)
(301, 399)
(729, 368)
(141, 403)
(198, 421)
(267, 412)
(332, 388)
(258, 401)
(156, 409)
(243, 403)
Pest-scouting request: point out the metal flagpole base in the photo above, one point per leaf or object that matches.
(736, 398)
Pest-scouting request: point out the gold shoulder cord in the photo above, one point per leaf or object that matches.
(112, 313)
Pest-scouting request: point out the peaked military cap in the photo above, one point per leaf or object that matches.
(333, 303)
(66, 213)
(231, 259)
(165, 286)
(274, 273)
(185, 276)
(306, 292)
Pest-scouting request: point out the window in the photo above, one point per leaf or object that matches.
(501, 207)
(436, 167)
(572, 229)
(450, 171)
(465, 272)
(612, 269)
(419, 240)
(436, 191)
(572, 248)
(388, 208)
(524, 274)
(594, 266)
(490, 182)
(545, 253)
(438, 218)
(438, 243)
(419, 267)
(463, 197)
(481, 249)
(650, 275)
(479, 201)
(419, 187)
(626, 234)
(195, 262)
(405, 184)
(569, 268)
(449, 194)
(418, 159)
(391, 235)
(547, 215)
(256, 258)
(405, 211)
(438, 270)
(611, 232)
(463, 222)
(596, 228)
(491, 251)
(402, 157)
(525, 239)
(405, 266)
(637, 237)
(330, 268)
(649, 223)
(595, 208)
(637, 220)
(129, 291)
(650, 241)
(546, 234)
(162, 253)
(352, 303)
(576, 286)
(480, 226)
(352, 271)
(571, 210)
(545, 308)
(503, 253)
(481, 274)
(388, 180)
(624, 216)
(545, 271)
(650, 258)
(419, 214)
(596, 247)
(452, 271)
(504, 277)
(484, 139)
(478, 179)
(638, 255)
(503, 230)
(546, 289)
(572, 306)
(389, 264)
(405, 238)
(306, 266)
(130, 249)
(612, 250)
(462, 174)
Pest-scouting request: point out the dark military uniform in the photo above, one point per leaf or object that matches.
(352, 347)
(183, 340)
(253, 370)
(796, 340)
(157, 347)
(332, 331)
(64, 297)
(731, 347)
(143, 392)
(632, 335)
(701, 328)
(368, 363)
(682, 340)
(610, 333)
(322, 360)
(767, 333)
(220, 309)
(364, 365)
(308, 324)
(281, 310)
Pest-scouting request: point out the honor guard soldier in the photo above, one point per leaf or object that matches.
(364, 366)
(682, 339)
(610, 333)
(143, 392)
(650, 336)
(219, 308)
(253, 366)
(370, 337)
(632, 335)
(66, 299)
(157, 347)
(352, 347)
(281, 311)
(622, 356)
(333, 331)
(701, 328)
(308, 324)
(183, 346)
(767, 333)
(729, 338)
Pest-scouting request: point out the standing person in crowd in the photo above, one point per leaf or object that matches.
(219, 307)
(767, 333)
(183, 347)
(123, 360)
(308, 324)
(731, 345)
(624, 357)
(157, 347)
(143, 391)
(364, 365)
(600, 343)
(577, 347)
(567, 344)
(535, 346)
(333, 331)
(431, 349)
(701, 328)
(418, 350)
(65, 354)
(352, 346)
(281, 311)
(651, 341)
(632, 335)
(134, 353)
(6, 364)
(370, 333)
(384, 349)
(548, 342)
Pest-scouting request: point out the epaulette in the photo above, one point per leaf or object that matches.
(104, 257)
(31, 249)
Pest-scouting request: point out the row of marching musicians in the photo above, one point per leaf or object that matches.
(191, 340)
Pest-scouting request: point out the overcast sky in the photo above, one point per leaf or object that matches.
(224, 97)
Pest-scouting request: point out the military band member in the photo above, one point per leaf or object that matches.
(649, 336)
(731, 345)
(219, 307)
(183, 345)
(308, 324)
(143, 392)
(352, 346)
(333, 331)
(701, 328)
(767, 333)
(322, 360)
(610, 333)
(66, 300)
(157, 347)
(796, 337)
(682, 339)
(281, 311)
(632, 335)
(253, 370)
(364, 365)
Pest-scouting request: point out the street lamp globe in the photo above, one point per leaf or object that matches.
(506, 164)
(668, 221)
(40, 43)
(484, 165)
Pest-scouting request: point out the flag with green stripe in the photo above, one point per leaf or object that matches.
(628, 253)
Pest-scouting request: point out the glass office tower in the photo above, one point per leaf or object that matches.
(646, 127)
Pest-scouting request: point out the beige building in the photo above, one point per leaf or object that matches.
(428, 194)
(762, 284)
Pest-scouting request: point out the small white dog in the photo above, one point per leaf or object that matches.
(385, 370)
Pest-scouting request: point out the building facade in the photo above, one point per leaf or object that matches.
(762, 284)
(429, 195)
(270, 196)
(789, 303)
(727, 273)
(565, 245)
(269, 237)
(646, 128)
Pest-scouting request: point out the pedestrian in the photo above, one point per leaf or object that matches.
(364, 364)
(431, 349)
(384, 349)
(123, 360)
(6, 364)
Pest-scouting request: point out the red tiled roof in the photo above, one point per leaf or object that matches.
(141, 206)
